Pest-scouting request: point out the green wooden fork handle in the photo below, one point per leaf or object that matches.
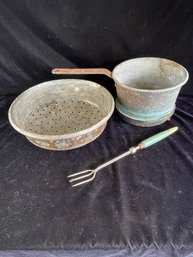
(156, 138)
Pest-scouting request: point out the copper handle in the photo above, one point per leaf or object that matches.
(83, 71)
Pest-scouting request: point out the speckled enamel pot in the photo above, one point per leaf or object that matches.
(62, 114)
(147, 89)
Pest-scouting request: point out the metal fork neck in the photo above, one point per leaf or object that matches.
(132, 150)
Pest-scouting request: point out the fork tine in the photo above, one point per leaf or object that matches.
(83, 182)
(81, 177)
(78, 173)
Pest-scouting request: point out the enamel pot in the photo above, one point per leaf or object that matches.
(147, 88)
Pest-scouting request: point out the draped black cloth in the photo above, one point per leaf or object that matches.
(139, 206)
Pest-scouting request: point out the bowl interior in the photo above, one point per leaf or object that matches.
(150, 73)
(61, 107)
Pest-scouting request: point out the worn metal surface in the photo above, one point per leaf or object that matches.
(90, 71)
(139, 122)
(147, 89)
(71, 143)
(62, 114)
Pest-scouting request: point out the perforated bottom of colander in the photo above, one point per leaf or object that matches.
(63, 117)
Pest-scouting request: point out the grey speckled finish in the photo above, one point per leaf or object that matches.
(147, 89)
(62, 114)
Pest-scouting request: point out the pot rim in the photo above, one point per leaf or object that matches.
(151, 90)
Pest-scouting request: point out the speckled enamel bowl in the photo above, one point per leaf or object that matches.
(62, 114)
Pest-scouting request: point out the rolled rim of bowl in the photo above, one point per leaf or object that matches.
(61, 136)
(150, 90)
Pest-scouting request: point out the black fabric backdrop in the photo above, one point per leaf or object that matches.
(140, 206)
